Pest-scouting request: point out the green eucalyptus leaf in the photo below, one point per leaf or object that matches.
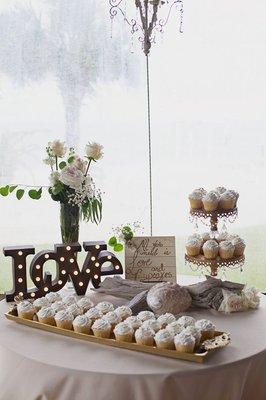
(71, 159)
(20, 193)
(12, 188)
(35, 194)
(4, 190)
(62, 164)
(118, 247)
(112, 241)
(57, 188)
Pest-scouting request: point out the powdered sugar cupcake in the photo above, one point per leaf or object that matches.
(64, 319)
(113, 318)
(164, 339)
(145, 336)
(210, 249)
(226, 250)
(195, 199)
(193, 247)
(70, 299)
(105, 307)
(46, 316)
(101, 328)
(227, 200)
(94, 314)
(205, 236)
(223, 236)
(186, 321)
(175, 327)
(240, 246)
(210, 201)
(153, 324)
(85, 303)
(166, 319)
(82, 324)
(124, 332)
(144, 315)
(58, 306)
(26, 310)
(220, 190)
(123, 312)
(41, 302)
(53, 296)
(192, 330)
(134, 321)
(184, 343)
(75, 310)
(207, 329)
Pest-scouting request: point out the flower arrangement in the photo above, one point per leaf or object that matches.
(123, 234)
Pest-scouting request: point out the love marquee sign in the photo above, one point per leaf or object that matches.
(66, 266)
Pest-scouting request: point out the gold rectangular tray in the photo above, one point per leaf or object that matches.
(195, 357)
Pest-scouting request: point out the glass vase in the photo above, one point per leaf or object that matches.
(69, 222)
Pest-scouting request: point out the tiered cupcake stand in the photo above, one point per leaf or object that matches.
(211, 219)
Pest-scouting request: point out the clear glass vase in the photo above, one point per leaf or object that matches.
(69, 222)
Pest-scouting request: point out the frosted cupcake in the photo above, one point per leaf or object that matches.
(210, 249)
(85, 303)
(145, 336)
(82, 324)
(240, 246)
(193, 247)
(41, 302)
(58, 306)
(207, 329)
(105, 307)
(123, 312)
(192, 330)
(186, 321)
(184, 343)
(210, 201)
(164, 339)
(46, 316)
(227, 200)
(53, 296)
(223, 236)
(166, 319)
(75, 310)
(145, 315)
(195, 199)
(134, 321)
(26, 310)
(64, 319)
(94, 314)
(123, 332)
(112, 318)
(70, 299)
(175, 327)
(101, 328)
(153, 324)
(220, 190)
(205, 236)
(226, 250)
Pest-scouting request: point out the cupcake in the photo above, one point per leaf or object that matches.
(53, 296)
(210, 249)
(113, 318)
(105, 307)
(186, 321)
(175, 327)
(145, 336)
(192, 330)
(41, 302)
(184, 343)
(70, 299)
(239, 246)
(101, 328)
(195, 199)
(196, 236)
(46, 316)
(206, 327)
(82, 324)
(210, 201)
(134, 321)
(64, 319)
(94, 314)
(223, 236)
(220, 190)
(145, 315)
(153, 324)
(85, 303)
(201, 190)
(26, 310)
(75, 310)
(58, 306)
(193, 247)
(164, 339)
(123, 332)
(227, 200)
(166, 319)
(205, 236)
(123, 312)
(226, 250)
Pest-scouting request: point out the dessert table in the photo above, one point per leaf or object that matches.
(38, 365)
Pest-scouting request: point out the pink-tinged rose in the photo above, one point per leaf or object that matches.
(58, 148)
(80, 164)
(94, 150)
(71, 176)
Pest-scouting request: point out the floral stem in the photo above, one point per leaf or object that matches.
(87, 170)
(56, 162)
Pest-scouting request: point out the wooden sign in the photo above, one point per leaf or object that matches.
(65, 257)
(151, 259)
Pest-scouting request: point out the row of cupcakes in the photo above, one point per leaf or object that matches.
(225, 245)
(102, 320)
(219, 198)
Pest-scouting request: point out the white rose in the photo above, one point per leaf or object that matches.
(54, 177)
(80, 164)
(58, 149)
(72, 177)
(94, 150)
